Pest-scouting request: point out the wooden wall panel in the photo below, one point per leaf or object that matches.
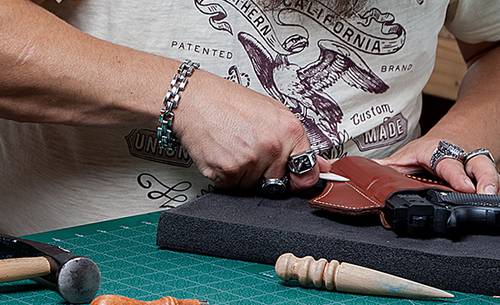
(449, 70)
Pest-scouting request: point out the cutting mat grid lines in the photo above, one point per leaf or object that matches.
(132, 265)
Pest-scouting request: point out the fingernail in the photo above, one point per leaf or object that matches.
(490, 190)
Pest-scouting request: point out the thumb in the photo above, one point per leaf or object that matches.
(382, 161)
(401, 164)
(325, 165)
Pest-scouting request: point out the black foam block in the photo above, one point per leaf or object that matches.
(259, 230)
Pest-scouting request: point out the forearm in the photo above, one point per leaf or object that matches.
(52, 72)
(474, 120)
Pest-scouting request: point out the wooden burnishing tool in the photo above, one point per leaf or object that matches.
(121, 300)
(345, 277)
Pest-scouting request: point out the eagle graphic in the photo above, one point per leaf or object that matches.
(302, 89)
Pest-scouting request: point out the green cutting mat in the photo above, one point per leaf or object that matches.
(132, 265)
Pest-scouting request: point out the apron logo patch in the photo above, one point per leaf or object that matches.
(391, 131)
(142, 143)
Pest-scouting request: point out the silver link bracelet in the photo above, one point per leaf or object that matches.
(164, 133)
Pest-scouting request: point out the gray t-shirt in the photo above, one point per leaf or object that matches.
(354, 81)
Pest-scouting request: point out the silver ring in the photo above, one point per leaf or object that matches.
(274, 186)
(446, 150)
(479, 152)
(302, 163)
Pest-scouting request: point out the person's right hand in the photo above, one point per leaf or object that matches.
(237, 136)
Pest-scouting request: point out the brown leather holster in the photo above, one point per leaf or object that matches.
(369, 186)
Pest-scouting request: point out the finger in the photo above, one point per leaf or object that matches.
(277, 169)
(485, 173)
(324, 164)
(308, 179)
(403, 165)
(304, 181)
(255, 171)
(453, 172)
(228, 173)
(227, 180)
(250, 178)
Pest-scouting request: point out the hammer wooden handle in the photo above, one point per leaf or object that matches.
(14, 269)
(120, 300)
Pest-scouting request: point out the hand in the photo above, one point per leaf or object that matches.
(417, 155)
(236, 136)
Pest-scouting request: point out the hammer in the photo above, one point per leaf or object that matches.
(76, 278)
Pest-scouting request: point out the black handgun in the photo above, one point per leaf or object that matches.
(435, 212)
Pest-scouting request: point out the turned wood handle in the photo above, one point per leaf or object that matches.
(14, 269)
(120, 300)
(351, 278)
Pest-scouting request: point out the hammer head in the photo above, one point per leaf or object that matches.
(78, 280)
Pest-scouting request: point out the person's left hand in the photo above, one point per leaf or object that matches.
(417, 154)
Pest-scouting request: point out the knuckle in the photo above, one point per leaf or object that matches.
(208, 173)
(272, 147)
(294, 128)
(246, 156)
(251, 159)
(300, 141)
(222, 175)
(230, 169)
(216, 178)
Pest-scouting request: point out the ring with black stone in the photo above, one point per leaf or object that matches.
(302, 163)
(274, 186)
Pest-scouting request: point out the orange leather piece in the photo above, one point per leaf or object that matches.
(121, 300)
(371, 184)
